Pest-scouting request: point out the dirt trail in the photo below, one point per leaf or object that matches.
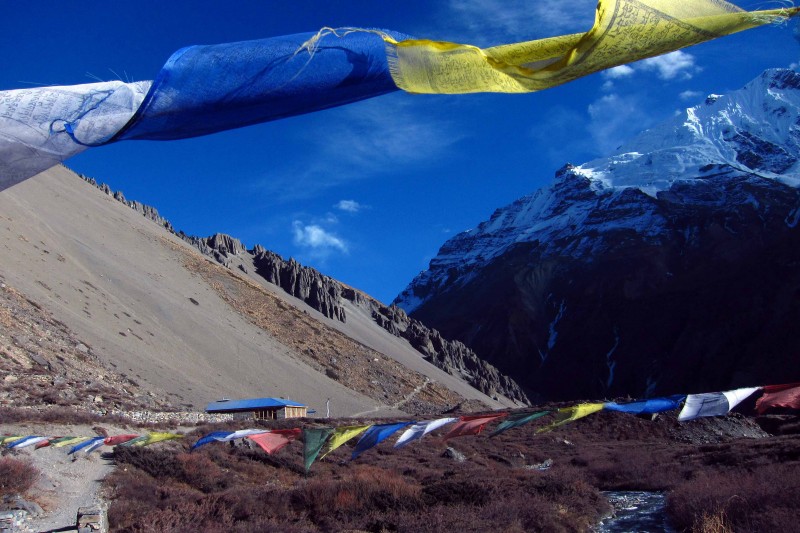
(66, 482)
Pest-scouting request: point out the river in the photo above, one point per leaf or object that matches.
(636, 512)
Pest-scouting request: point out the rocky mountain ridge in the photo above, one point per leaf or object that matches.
(329, 297)
(666, 267)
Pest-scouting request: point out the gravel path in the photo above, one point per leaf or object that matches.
(64, 484)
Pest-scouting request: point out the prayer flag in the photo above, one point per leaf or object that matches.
(274, 440)
(471, 425)
(517, 420)
(211, 437)
(565, 415)
(343, 434)
(94, 445)
(624, 31)
(118, 439)
(648, 407)
(7, 439)
(375, 435)
(26, 441)
(313, 441)
(85, 444)
(786, 396)
(713, 403)
(67, 441)
(152, 438)
(227, 436)
(134, 442)
(420, 429)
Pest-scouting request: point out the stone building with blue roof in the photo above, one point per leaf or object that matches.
(259, 408)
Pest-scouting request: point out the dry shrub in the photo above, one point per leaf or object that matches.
(16, 477)
(194, 470)
(759, 500)
(712, 522)
(365, 490)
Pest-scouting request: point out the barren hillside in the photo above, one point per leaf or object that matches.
(160, 315)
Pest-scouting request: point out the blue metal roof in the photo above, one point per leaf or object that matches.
(250, 404)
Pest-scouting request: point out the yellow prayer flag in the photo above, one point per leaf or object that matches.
(151, 438)
(624, 31)
(344, 434)
(566, 415)
(70, 441)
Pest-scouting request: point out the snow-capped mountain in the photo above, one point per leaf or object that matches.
(603, 272)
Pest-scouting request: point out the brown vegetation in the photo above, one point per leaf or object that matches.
(719, 481)
(16, 477)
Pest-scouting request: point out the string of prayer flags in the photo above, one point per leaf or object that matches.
(275, 439)
(471, 425)
(420, 429)
(565, 415)
(516, 420)
(210, 88)
(313, 441)
(375, 435)
(784, 396)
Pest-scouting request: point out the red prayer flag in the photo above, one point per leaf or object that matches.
(118, 439)
(471, 425)
(274, 440)
(787, 395)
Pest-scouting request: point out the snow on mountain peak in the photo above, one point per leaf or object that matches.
(754, 131)
(748, 130)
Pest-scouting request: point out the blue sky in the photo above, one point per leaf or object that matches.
(367, 193)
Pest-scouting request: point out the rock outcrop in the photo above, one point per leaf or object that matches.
(320, 292)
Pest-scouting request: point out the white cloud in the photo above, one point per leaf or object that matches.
(690, 95)
(349, 206)
(492, 22)
(614, 119)
(622, 71)
(677, 64)
(363, 140)
(316, 238)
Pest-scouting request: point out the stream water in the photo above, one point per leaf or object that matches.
(636, 512)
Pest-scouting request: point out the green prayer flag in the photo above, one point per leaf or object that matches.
(517, 420)
(313, 441)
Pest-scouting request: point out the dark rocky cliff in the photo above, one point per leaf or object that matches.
(669, 266)
(713, 305)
